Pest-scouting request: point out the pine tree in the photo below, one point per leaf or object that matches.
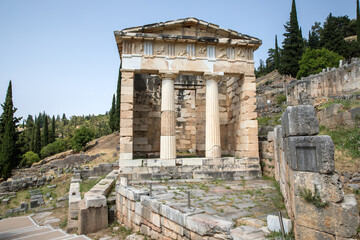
(37, 137)
(112, 117)
(9, 150)
(53, 129)
(293, 45)
(45, 135)
(358, 21)
(276, 54)
(117, 106)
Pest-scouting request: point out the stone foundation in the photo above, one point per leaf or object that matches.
(228, 168)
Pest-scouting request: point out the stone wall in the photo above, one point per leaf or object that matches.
(336, 115)
(142, 213)
(266, 149)
(313, 89)
(304, 167)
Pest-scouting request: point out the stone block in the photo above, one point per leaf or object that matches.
(299, 121)
(310, 153)
(273, 223)
(172, 225)
(355, 113)
(247, 232)
(92, 219)
(204, 224)
(172, 214)
(123, 181)
(303, 233)
(328, 186)
(152, 204)
(340, 219)
(95, 201)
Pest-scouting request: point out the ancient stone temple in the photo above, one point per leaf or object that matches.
(187, 86)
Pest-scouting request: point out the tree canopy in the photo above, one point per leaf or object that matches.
(314, 61)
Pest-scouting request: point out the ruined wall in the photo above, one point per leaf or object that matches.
(190, 105)
(312, 191)
(337, 81)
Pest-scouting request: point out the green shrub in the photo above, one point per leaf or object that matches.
(82, 136)
(29, 158)
(280, 99)
(58, 146)
(313, 198)
(313, 61)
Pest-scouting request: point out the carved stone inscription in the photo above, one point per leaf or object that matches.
(306, 159)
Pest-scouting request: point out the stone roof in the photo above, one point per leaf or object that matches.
(156, 29)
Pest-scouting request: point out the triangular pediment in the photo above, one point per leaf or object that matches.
(188, 27)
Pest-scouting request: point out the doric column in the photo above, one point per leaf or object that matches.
(126, 115)
(168, 138)
(212, 134)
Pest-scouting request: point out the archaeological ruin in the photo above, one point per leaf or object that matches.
(188, 86)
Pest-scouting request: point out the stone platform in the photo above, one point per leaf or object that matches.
(227, 168)
(218, 209)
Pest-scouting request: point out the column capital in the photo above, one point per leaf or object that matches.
(168, 74)
(127, 70)
(213, 76)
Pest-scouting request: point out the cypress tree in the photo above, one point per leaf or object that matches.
(358, 21)
(30, 132)
(9, 151)
(37, 137)
(117, 106)
(45, 131)
(112, 113)
(53, 129)
(293, 45)
(276, 54)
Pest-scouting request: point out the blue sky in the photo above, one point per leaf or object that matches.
(62, 58)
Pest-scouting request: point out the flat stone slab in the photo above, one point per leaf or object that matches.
(247, 233)
(205, 224)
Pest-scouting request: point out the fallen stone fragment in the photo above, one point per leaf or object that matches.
(274, 224)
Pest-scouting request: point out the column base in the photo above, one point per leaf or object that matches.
(214, 152)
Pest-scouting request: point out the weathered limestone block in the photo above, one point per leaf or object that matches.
(328, 186)
(92, 219)
(303, 233)
(299, 121)
(340, 219)
(355, 113)
(204, 224)
(310, 153)
(274, 224)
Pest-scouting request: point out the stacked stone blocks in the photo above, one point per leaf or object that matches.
(141, 213)
(305, 162)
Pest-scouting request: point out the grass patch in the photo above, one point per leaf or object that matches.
(348, 104)
(278, 235)
(280, 99)
(63, 224)
(346, 139)
(272, 120)
(86, 185)
(313, 198)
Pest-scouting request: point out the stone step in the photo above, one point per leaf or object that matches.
(24, 228)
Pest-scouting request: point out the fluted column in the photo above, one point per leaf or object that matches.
(212, 133)
(167, 138)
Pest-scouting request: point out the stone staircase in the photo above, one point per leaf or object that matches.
(25, 228)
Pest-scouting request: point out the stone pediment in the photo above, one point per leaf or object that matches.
(187, 28)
